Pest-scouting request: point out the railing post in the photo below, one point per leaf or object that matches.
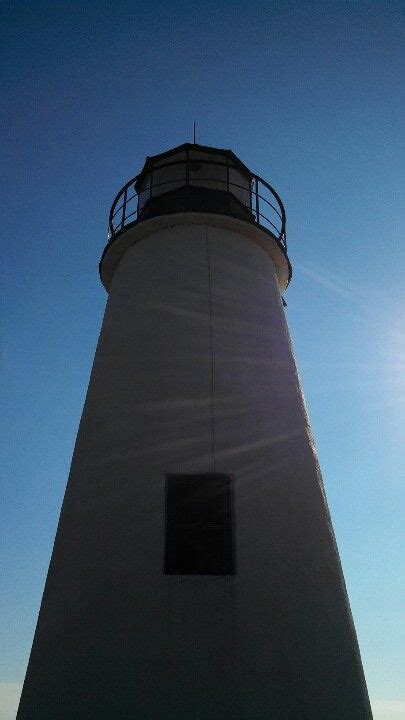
(124, 207)
(187, 166)
(137, 201)
(257, 201)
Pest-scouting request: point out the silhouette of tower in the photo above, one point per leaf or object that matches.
(195, 575)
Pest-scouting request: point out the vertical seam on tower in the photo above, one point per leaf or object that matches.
(212, 351)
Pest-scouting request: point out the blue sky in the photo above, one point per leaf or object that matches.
(309, 96)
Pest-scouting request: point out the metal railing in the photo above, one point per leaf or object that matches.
(262, 201)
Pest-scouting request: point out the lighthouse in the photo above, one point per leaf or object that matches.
(195, 573)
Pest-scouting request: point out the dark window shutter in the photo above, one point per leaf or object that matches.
(199, 525)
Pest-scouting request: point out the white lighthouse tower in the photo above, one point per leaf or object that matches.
(195, 574)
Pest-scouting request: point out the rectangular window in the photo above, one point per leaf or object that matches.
(199, 525)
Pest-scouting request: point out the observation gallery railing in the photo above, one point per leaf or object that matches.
(255, 195)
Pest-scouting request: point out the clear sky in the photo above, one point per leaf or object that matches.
(308, 94)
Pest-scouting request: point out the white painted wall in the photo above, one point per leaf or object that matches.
(116, 637)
